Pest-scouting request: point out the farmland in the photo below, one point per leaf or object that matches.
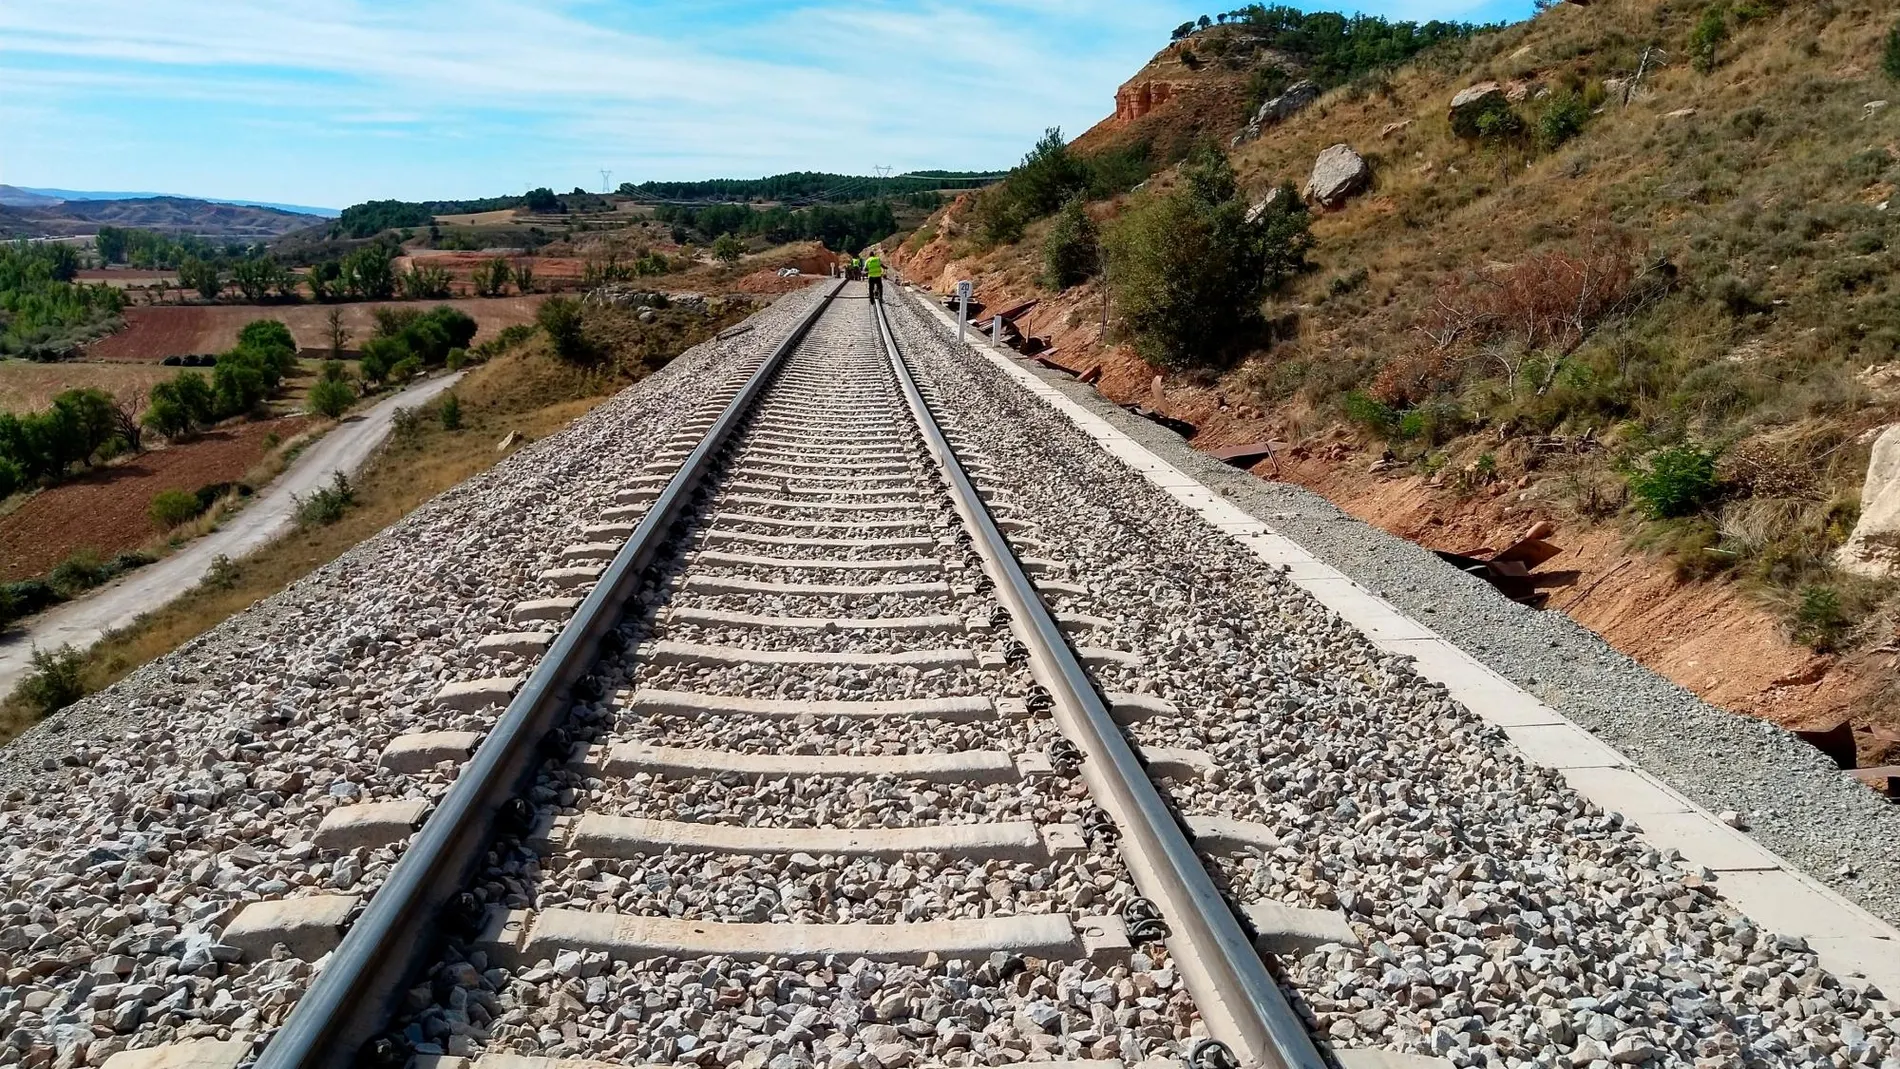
(26, 386)
(153, 333)
(107, 511)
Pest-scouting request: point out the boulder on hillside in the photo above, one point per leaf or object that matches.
(1873, 550)
(1472, 104)
(1260, 206)
(1279, 109)
(1337, 174)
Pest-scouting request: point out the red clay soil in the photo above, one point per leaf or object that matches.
(107, 511)
(156, 332)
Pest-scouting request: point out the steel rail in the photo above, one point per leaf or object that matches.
(1238, 999)
(354, 996)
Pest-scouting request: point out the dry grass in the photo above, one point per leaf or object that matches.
(29, 387)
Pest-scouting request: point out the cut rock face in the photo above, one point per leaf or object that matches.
(1337, 175)
(1873, 550)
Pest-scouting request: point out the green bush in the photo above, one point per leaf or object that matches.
(1675, 481)
(1705, 41)
(1563, 118)
(1189, 267)
(327, 504)
(223, 574)
(1071, 252)
(24, 598)
(727, 249)
(12, 476)
(171, 508)
(189, 402)
(55, 681)
(1819, 621)
(1370, 414)
(561, 318)
(405, 369)
(1890, 54)
(450, 412)
(330, 398)
(84, 570)
(1491, 120)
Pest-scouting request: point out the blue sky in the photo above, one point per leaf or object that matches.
(330, 102)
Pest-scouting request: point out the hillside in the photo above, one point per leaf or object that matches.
(173, 215)
(1650, 299)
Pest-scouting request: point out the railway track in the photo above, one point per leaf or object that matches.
(826, 743)
(824, 733)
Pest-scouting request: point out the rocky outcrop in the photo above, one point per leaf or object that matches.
(1138, 99)
(1337, 175)
(1279, 109)
(1873, 550)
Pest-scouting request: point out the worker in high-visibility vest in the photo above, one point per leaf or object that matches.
(857, 269)
(874, 270)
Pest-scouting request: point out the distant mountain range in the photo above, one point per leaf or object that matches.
(29, 197)
(49, 218)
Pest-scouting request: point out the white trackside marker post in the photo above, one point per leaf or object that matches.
(964, 289)
(996, 331)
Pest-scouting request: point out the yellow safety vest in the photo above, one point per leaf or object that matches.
(874, 267)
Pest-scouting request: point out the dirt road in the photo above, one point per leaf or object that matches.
(80, 623)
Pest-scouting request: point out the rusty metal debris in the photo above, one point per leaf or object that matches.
(1246, 456)
(1512, 570)
(1884, 778)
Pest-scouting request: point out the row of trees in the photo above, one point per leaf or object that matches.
(243, 380)
(808, 186)
(152, 250)
(1332, 48)
(408, 340)
(41, 306)
(80, 428)
(840, 229)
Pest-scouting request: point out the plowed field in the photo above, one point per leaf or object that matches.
(107, 511)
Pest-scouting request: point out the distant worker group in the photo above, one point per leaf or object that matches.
(869, 268)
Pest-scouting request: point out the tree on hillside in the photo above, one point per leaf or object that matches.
(1070, 252)
(727, 249)
(1190, 267)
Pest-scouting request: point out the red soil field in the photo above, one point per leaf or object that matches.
(107, 511)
